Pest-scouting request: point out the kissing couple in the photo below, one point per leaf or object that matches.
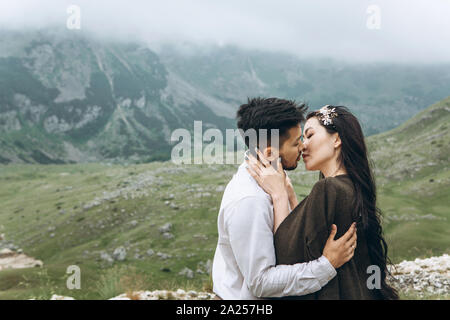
(270, 245)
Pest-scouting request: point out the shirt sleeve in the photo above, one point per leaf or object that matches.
(250, 224)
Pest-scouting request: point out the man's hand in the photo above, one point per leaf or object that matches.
(341, 250)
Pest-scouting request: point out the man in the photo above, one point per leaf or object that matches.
(244, 264)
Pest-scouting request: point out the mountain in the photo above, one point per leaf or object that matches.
(412, 170)
(69, 97)
(416, 150)
(138, 227)
(382, 95)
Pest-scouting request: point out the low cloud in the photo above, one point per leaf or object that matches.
(407, 30)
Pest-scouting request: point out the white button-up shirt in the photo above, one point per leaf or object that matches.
(244, 264)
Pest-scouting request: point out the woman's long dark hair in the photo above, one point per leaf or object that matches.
(355, 160)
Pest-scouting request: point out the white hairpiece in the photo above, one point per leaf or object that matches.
(326, 115)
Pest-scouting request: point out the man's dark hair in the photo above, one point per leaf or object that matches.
(270, 113)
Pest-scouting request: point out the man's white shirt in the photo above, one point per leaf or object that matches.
(244, 264)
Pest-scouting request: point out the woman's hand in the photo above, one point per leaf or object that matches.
(274, 183)
(291, 193)
(270, 180)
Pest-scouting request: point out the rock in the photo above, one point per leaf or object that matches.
(169, 197)
(204, 194)
(37, 263)
(56, 297)
(165, 228)
(4, 253)
(422, 276)
(179, 294)
(123, 296)
(161, 294)
(168, 235)
(11, 246)
(150, 252)
(134, 223)
(13, 260)
(188, 273)
(120, 253)
(205, 267)
(220, 189)
(191, 293)
(163, 256)
(105, 256)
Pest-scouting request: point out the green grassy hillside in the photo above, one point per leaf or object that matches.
(73, 214)
(412, 170)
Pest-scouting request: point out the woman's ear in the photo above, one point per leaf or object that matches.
(337, 141)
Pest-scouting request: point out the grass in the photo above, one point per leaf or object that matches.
(32, 200)
(41, 200)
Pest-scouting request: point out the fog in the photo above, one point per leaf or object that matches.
(353, 30)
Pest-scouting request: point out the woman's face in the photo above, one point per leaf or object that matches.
(318, 145)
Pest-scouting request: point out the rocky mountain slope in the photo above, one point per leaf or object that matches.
(420, 278)
(71, 98)
(382, 95)
(68, 97)
(151, 226)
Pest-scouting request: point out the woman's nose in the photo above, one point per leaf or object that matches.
(302, 146)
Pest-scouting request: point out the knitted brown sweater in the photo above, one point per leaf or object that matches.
(301, 237)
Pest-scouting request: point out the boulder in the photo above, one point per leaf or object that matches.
(120, 253)
(165, 228)
(188, 273)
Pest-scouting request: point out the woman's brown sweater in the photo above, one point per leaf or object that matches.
(301, 237)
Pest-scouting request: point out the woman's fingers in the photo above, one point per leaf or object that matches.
(262, 158)
(253, 173)
(254, 165)
(255, 162)
(280, 167)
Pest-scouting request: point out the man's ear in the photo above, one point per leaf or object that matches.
(271, 153)
(267, 152)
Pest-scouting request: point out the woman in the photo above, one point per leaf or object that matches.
(333, 143)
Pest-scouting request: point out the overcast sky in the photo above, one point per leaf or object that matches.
(403, 31)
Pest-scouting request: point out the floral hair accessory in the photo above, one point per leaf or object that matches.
(326, 115)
